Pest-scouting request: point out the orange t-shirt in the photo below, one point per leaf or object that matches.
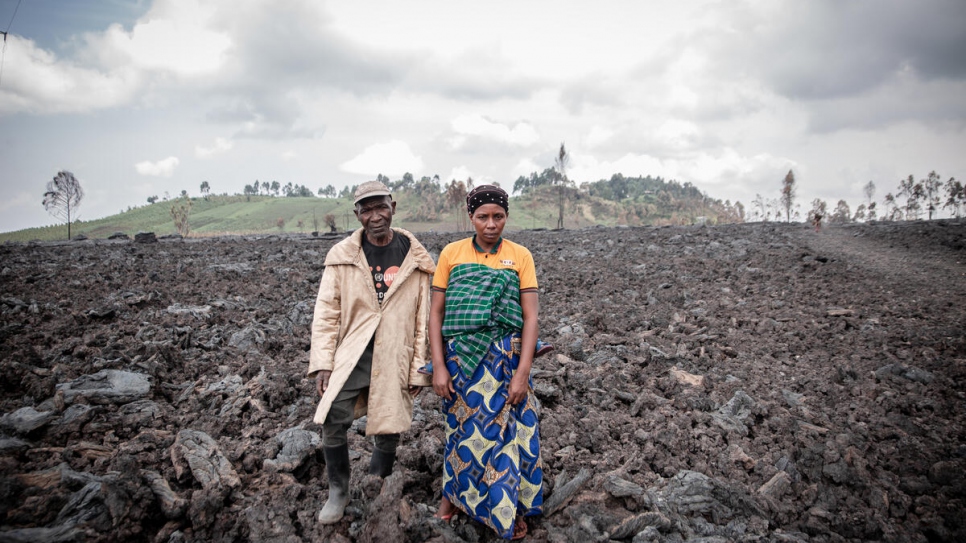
(506, 255)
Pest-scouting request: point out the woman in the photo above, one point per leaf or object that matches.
(483, 334)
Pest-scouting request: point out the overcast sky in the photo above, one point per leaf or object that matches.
(147, 97)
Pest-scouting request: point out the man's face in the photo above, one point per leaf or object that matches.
(375, 215)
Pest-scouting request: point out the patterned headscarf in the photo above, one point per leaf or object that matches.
(487, 194)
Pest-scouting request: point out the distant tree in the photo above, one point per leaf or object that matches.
(955, 196)
(860, 213)
(184, 193)
(347, 191)
(931, 187)
(525, 185)
(758, 207)
(204, 189)
(297, 191)
(619, 187)
(788, 195)
(330, 221)
(430, 199)
(892, 210)
(64, 194)
(818, 213)
(152, 199)
(181, 213)
(266, 187)
(275, 187)
(456, 198)
(739, 212)
(522, 184)
(869, 190)
(841, 214)
(250, 191)
(562, 183)
(912, 191)
(327, 192)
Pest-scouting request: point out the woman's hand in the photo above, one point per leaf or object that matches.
(519, 388)
(442, 383)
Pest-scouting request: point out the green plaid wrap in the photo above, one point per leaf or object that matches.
(482, 305)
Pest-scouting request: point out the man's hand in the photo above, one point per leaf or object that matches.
(322, 381)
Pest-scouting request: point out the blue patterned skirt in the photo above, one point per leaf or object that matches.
(492, 469)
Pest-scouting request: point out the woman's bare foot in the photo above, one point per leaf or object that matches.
(446, 510)
(520, 528)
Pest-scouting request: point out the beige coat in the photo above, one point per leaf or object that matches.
(347, 314)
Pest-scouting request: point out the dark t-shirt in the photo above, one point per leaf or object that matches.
(384, 262)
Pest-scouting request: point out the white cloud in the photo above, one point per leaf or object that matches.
(678, 134)
(521, 134)
(459, 173)
(37, 81)
(175, 36)
(588, 168)
(391, 158)
(161, 168)
(221, 145)
(598, 136)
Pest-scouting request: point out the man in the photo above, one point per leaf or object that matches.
(369, 336)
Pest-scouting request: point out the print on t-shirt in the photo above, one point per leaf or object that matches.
(383, 279)
(384, 262)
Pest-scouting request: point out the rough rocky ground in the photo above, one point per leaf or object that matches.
(758, 382)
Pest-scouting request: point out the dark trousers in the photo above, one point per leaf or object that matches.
(339, 419)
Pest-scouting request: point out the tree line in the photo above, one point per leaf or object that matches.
(288, 190)
(636, 200)
(911, 200)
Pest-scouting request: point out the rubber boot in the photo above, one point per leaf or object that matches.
(337, 467)
(381, 463)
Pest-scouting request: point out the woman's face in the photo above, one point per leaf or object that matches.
(489, 220)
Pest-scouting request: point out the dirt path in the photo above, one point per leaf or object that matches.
(903, 262)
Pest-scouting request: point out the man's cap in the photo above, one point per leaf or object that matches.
(370, 189)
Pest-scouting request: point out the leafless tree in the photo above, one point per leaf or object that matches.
(63, 195)
(456, 197)
(931, 190)
(181, 215)
(818, 213)
(562, 182)
(788, 195)
(869, 189)
(841, 214)
(956, 196)
(330, 221)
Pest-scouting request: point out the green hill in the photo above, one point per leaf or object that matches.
(419, 212)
